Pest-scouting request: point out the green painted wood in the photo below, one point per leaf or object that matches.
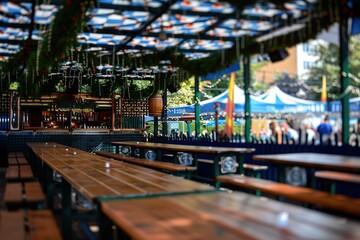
(247, 78)
(344, 71)
(197, 105)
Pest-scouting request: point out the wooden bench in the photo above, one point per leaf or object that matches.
(35, 225)
(334, 177)
(19, 173)
(339, 203)
(179, 170)
(16, 159)
(24, 195)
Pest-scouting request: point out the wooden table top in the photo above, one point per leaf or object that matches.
(184, 148)
(95, 176)
(320, 160)
(224, 216)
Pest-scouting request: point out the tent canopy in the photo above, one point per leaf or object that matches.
(335, 106)
(273, 101)
(278, 101)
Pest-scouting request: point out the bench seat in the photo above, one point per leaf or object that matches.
(339, 203)
(35, 225)
(165, 166)
(330, 178)
(24, 195)
(19, 173)
(338, 176)
(16, 158)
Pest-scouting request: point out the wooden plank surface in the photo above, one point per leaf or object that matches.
(12, 225)
(224, 216)
(320, 160)
(145, 162)
(338, 176)
(34, 193)
(183, 148)
(95, 176)
(340, 203)
(13, 193)
(43, 226)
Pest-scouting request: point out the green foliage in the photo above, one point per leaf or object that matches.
(329, 66)
(185, 96)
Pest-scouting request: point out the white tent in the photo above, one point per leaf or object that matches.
(280, 102)
(273, 101)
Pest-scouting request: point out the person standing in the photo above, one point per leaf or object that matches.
(275, 132)
(325, 130)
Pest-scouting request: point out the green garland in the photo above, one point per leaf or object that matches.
(30, 67)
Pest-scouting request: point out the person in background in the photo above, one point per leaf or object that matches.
(310, 133)
(325, 130)
(275, 132)
(291, 133)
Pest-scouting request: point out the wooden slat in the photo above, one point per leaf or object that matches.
(26, 172)
(33, 192)
(338, 176)
(12, 172)
(89, 174)
(183, 148)
(22, 161)
(42, 226)
(224, 216)
(12, 161)
(12, 225)
(12, 154)
(316, 160)
(144, 162)
(13, 194)
(253, 167)
(339, 203)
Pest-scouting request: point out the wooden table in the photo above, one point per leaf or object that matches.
(94, 176)
(218, 152)
(313, 160)
(221, 216)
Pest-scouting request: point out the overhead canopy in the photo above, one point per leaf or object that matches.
(273, 101)
(197, 28)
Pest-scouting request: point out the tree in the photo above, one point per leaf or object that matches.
(185, 95)
(329, 65)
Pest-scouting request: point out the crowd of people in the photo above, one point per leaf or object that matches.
(303, 132)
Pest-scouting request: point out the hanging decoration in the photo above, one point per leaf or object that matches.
(39, 62)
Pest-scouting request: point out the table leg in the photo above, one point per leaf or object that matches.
(216, 170)
(105, 225)
(240, 161)
(49, 187)
(66, 209)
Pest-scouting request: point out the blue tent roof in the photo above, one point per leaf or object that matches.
(273, 101)
(335, 106)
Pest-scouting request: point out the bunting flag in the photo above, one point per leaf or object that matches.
(323, 90)
(229, 123)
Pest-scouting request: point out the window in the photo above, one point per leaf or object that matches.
(309, 48)
(307, 65)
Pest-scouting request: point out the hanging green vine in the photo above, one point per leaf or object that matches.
(30, 67)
